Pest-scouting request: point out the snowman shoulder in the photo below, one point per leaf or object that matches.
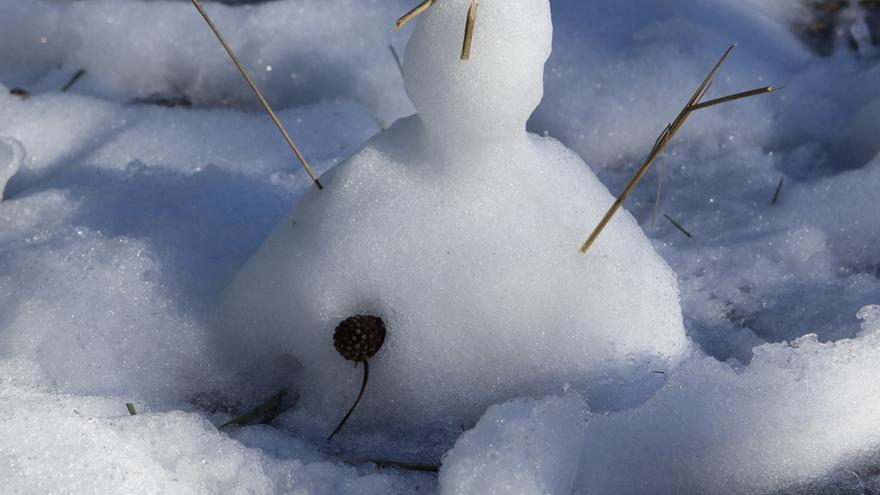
(387, 151)
(563, 162)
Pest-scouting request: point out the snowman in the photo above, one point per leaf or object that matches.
(460, 230)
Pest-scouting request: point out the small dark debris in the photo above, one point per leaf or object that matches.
(827, 24)
(262, 414)
(73, 80)
(778, 191)
(20, 92)
(678, 226)
(167, 101)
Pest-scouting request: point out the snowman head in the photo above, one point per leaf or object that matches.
(492, 95)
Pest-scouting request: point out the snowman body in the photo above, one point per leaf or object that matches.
(461, 231)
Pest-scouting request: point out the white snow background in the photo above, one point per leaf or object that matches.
(122, 221)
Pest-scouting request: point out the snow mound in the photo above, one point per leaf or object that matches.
(797, 413)
(94, 447)
(522, 446)
(125, 220)
(466, 243)
(137, 342)
(292, 61)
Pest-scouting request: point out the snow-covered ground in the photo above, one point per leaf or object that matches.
(123, 221)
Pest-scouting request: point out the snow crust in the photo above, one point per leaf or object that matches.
(461, 231)
(124, 221)
(799, 409)
(11, 156)
(522, 446)
(90, 445)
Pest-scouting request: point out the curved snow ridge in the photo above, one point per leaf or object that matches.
(132, 49)
(90, 445)
(797, 413)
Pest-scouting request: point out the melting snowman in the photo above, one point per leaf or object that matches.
(461, 231)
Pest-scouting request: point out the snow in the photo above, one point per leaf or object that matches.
(11, 155)
(490, 97)
(800, 409)
(522, 446)
(710, 429)
(481, 306)
(90, 445)
(122, 222)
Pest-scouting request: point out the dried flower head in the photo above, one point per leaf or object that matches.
(357, 339)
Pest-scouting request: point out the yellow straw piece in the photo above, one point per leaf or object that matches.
(263, 102)
(412, 14)
(666, 136)
(469, 30)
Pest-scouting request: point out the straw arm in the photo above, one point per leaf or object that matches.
(263, 102)
(729, 98)
(412, 14)
(666, 136)
(469, 30)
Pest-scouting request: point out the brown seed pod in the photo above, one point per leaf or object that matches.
(357, 339)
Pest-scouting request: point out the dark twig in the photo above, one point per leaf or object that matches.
(263, 414)
(407, 466)
(263, 102)
(73, 80)
(678, 226)
(356, 401)
(778, 190)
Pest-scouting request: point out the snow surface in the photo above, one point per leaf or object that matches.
(125, 221)
(522, 446)
(11, 156)
(456, 227)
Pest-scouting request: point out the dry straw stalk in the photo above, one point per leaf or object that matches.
(469, 30)
(412, 14)
(666, 137)
(263, 102)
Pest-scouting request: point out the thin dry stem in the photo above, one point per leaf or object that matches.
(678, 226)
(665, 137)
(406, 466)
(469, 30)
(778, 190)
(73, 80)
(263, 102)
(737, 96)
(412, 14)
(356, 401)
